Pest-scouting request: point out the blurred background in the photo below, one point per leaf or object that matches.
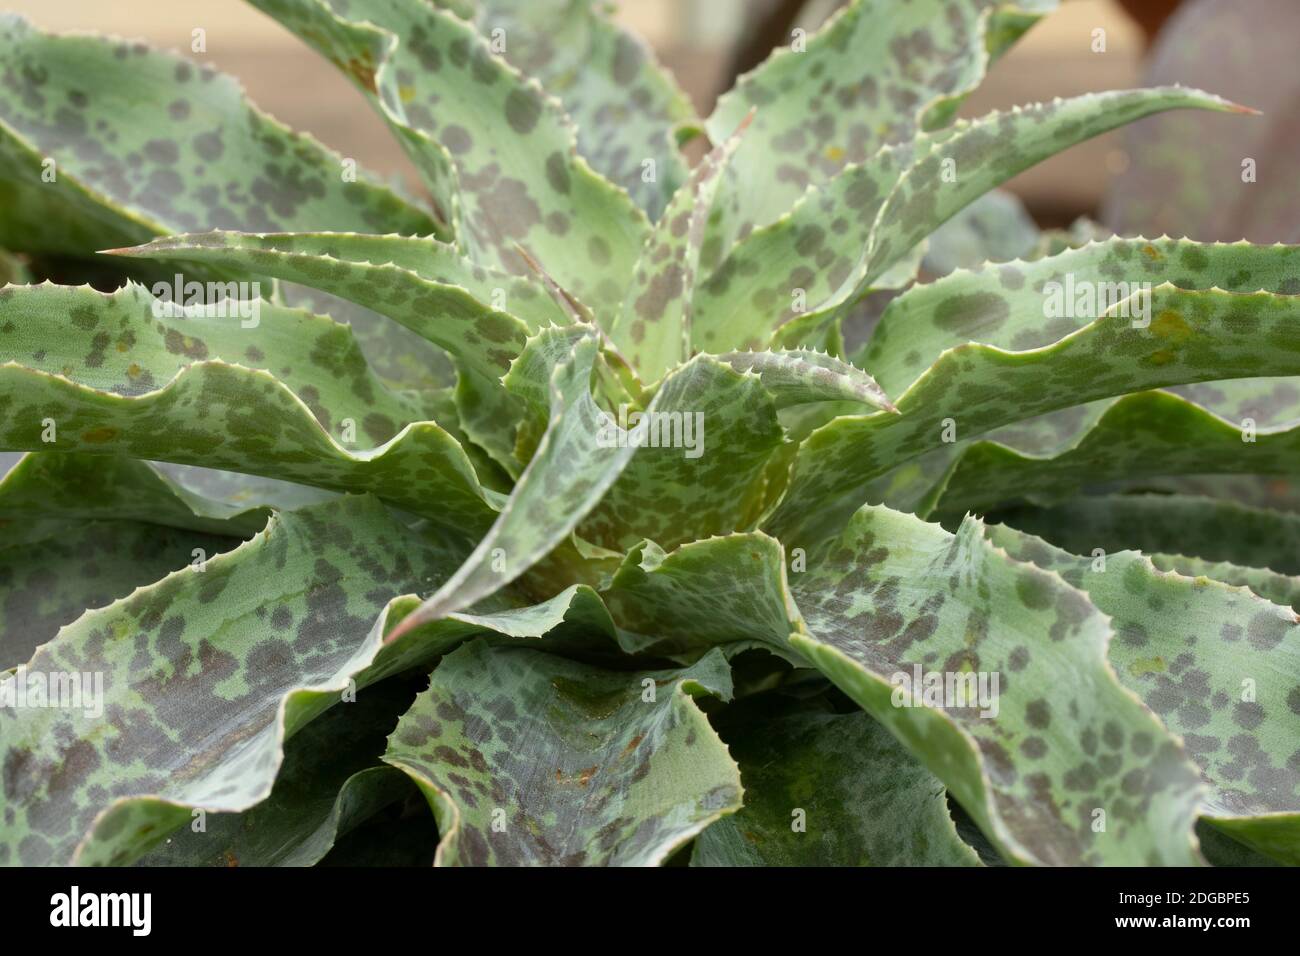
(1179, 173)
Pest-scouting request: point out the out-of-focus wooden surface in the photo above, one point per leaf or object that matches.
(691, 36)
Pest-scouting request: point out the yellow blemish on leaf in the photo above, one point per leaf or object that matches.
(834, 153)
(1147, 665)
(406, 93)
(99, 435)
(1151, 252)
(1170, 325)
(122, 346)
(1163, 357)
(133, 370)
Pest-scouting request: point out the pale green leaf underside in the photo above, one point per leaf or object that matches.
(70, 487)
(1283, 589)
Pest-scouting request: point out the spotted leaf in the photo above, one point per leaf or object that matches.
(1191, 525)
(799, 273)
(827, 789)
(1057, 763)
(106, 142)
(482, 337)
(654, 327)
(205, 673)
(624, 769)
(878, 72)
(330, 782)
(971, 389)
(804, 376)
(1150, 433)
(1218, 665)
(728, 591)
(117, 379)
(1278, 588)
(500, 156)
(948, 170)
(629, 111)
(709, 438)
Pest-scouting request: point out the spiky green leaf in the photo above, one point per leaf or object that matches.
(1033, 760)
(144, 143)
(630, 113)
(1218, 665)
(202, 390)
(498, 154)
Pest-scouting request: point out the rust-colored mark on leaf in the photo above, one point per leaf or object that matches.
(364, 73)
(360, 70)
(97, 436)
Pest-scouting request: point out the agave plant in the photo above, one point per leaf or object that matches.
(548, 518)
